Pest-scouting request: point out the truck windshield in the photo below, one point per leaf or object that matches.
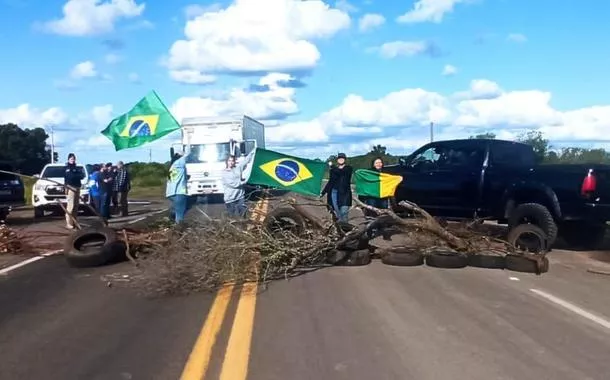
(211, 152)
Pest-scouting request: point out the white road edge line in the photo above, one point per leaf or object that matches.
(23, 263)
(573, 308)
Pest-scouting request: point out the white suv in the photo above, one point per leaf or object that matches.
(45, 194)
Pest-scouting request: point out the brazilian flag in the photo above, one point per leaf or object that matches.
(371, 183)
(147, 121)
(278, 170)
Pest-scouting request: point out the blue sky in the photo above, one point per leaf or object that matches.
(324, 76)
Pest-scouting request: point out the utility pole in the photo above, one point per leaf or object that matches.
(52, 146)
(431, 131)
(149, 155)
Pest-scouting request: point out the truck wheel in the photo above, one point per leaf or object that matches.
(38, 212)
(93, 247)
(536, 214)
(583, 235)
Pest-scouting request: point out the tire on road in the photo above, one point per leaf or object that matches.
(536, 214)
(518, 263)
(446, 259)
(284, 219)
(528, 237)
(583, 235)
(355, 258)
(92, 247)
(402, 257)
(487, 260)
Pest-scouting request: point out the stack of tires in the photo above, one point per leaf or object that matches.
(94, 246)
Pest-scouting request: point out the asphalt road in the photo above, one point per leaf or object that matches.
(372, 322)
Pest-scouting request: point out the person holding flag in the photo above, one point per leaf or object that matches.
(377, 202)
(339, 188)
(233, 184)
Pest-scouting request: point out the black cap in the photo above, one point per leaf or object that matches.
(108, 164)
(341, 155)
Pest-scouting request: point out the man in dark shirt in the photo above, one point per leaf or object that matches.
(106, 183)
(121, 186)
(72, 184)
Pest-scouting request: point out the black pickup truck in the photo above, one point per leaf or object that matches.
(500, 180)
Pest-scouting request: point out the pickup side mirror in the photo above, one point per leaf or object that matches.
(402, 161)
(37, 176)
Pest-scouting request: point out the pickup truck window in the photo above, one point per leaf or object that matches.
(441, 157)
(512, 155)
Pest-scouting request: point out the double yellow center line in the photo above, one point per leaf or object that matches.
(237, 353)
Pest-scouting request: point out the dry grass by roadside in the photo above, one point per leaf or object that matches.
(148, 192)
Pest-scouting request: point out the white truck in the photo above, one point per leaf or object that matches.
(210, 141)
(46, 194)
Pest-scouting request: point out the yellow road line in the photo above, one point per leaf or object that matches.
(197, 364)
(235, 364)
(237, 356)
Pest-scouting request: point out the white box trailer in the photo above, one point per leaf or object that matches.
(210, 141)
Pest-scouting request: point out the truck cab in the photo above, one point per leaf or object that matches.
(208, 142)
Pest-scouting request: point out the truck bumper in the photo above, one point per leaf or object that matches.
(596, 212)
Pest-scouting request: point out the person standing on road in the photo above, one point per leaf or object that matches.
(233, 186)
(339, 189)
(106, 183)
(72, 181)
(176, 189)
(94, 187)
(121, 187)
(380, 203)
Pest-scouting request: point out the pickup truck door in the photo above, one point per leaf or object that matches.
(447, 183)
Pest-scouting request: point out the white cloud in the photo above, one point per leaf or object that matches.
(194, 10)
(112, 58)
(429, 11)
(274, 102)
(191, 77)
(134, 78)
(84, 69)
(245, 37)
(26, 116)
(346, 6)
(517, 37)
(370, 21)
(480, 89)
(396, 49)
(449, 70)
(92, 17)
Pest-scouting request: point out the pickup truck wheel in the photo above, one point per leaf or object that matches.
(582, 235)
(536, 214)
(518, 263)
(446, 259)
(93, 247)
(402, 257)
(487, 260)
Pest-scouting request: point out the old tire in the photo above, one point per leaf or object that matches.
(284, 220)
(536, 214)
(93, 247)
(355, 259)
(582, 235)
(517, 263)
(529, 238)
(402, 257)
(487, 260)
(446, 259)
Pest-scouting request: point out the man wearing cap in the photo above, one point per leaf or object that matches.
(338, 188)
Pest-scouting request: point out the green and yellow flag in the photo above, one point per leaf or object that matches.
(371, 183)
(147, 121)
(278, 170)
